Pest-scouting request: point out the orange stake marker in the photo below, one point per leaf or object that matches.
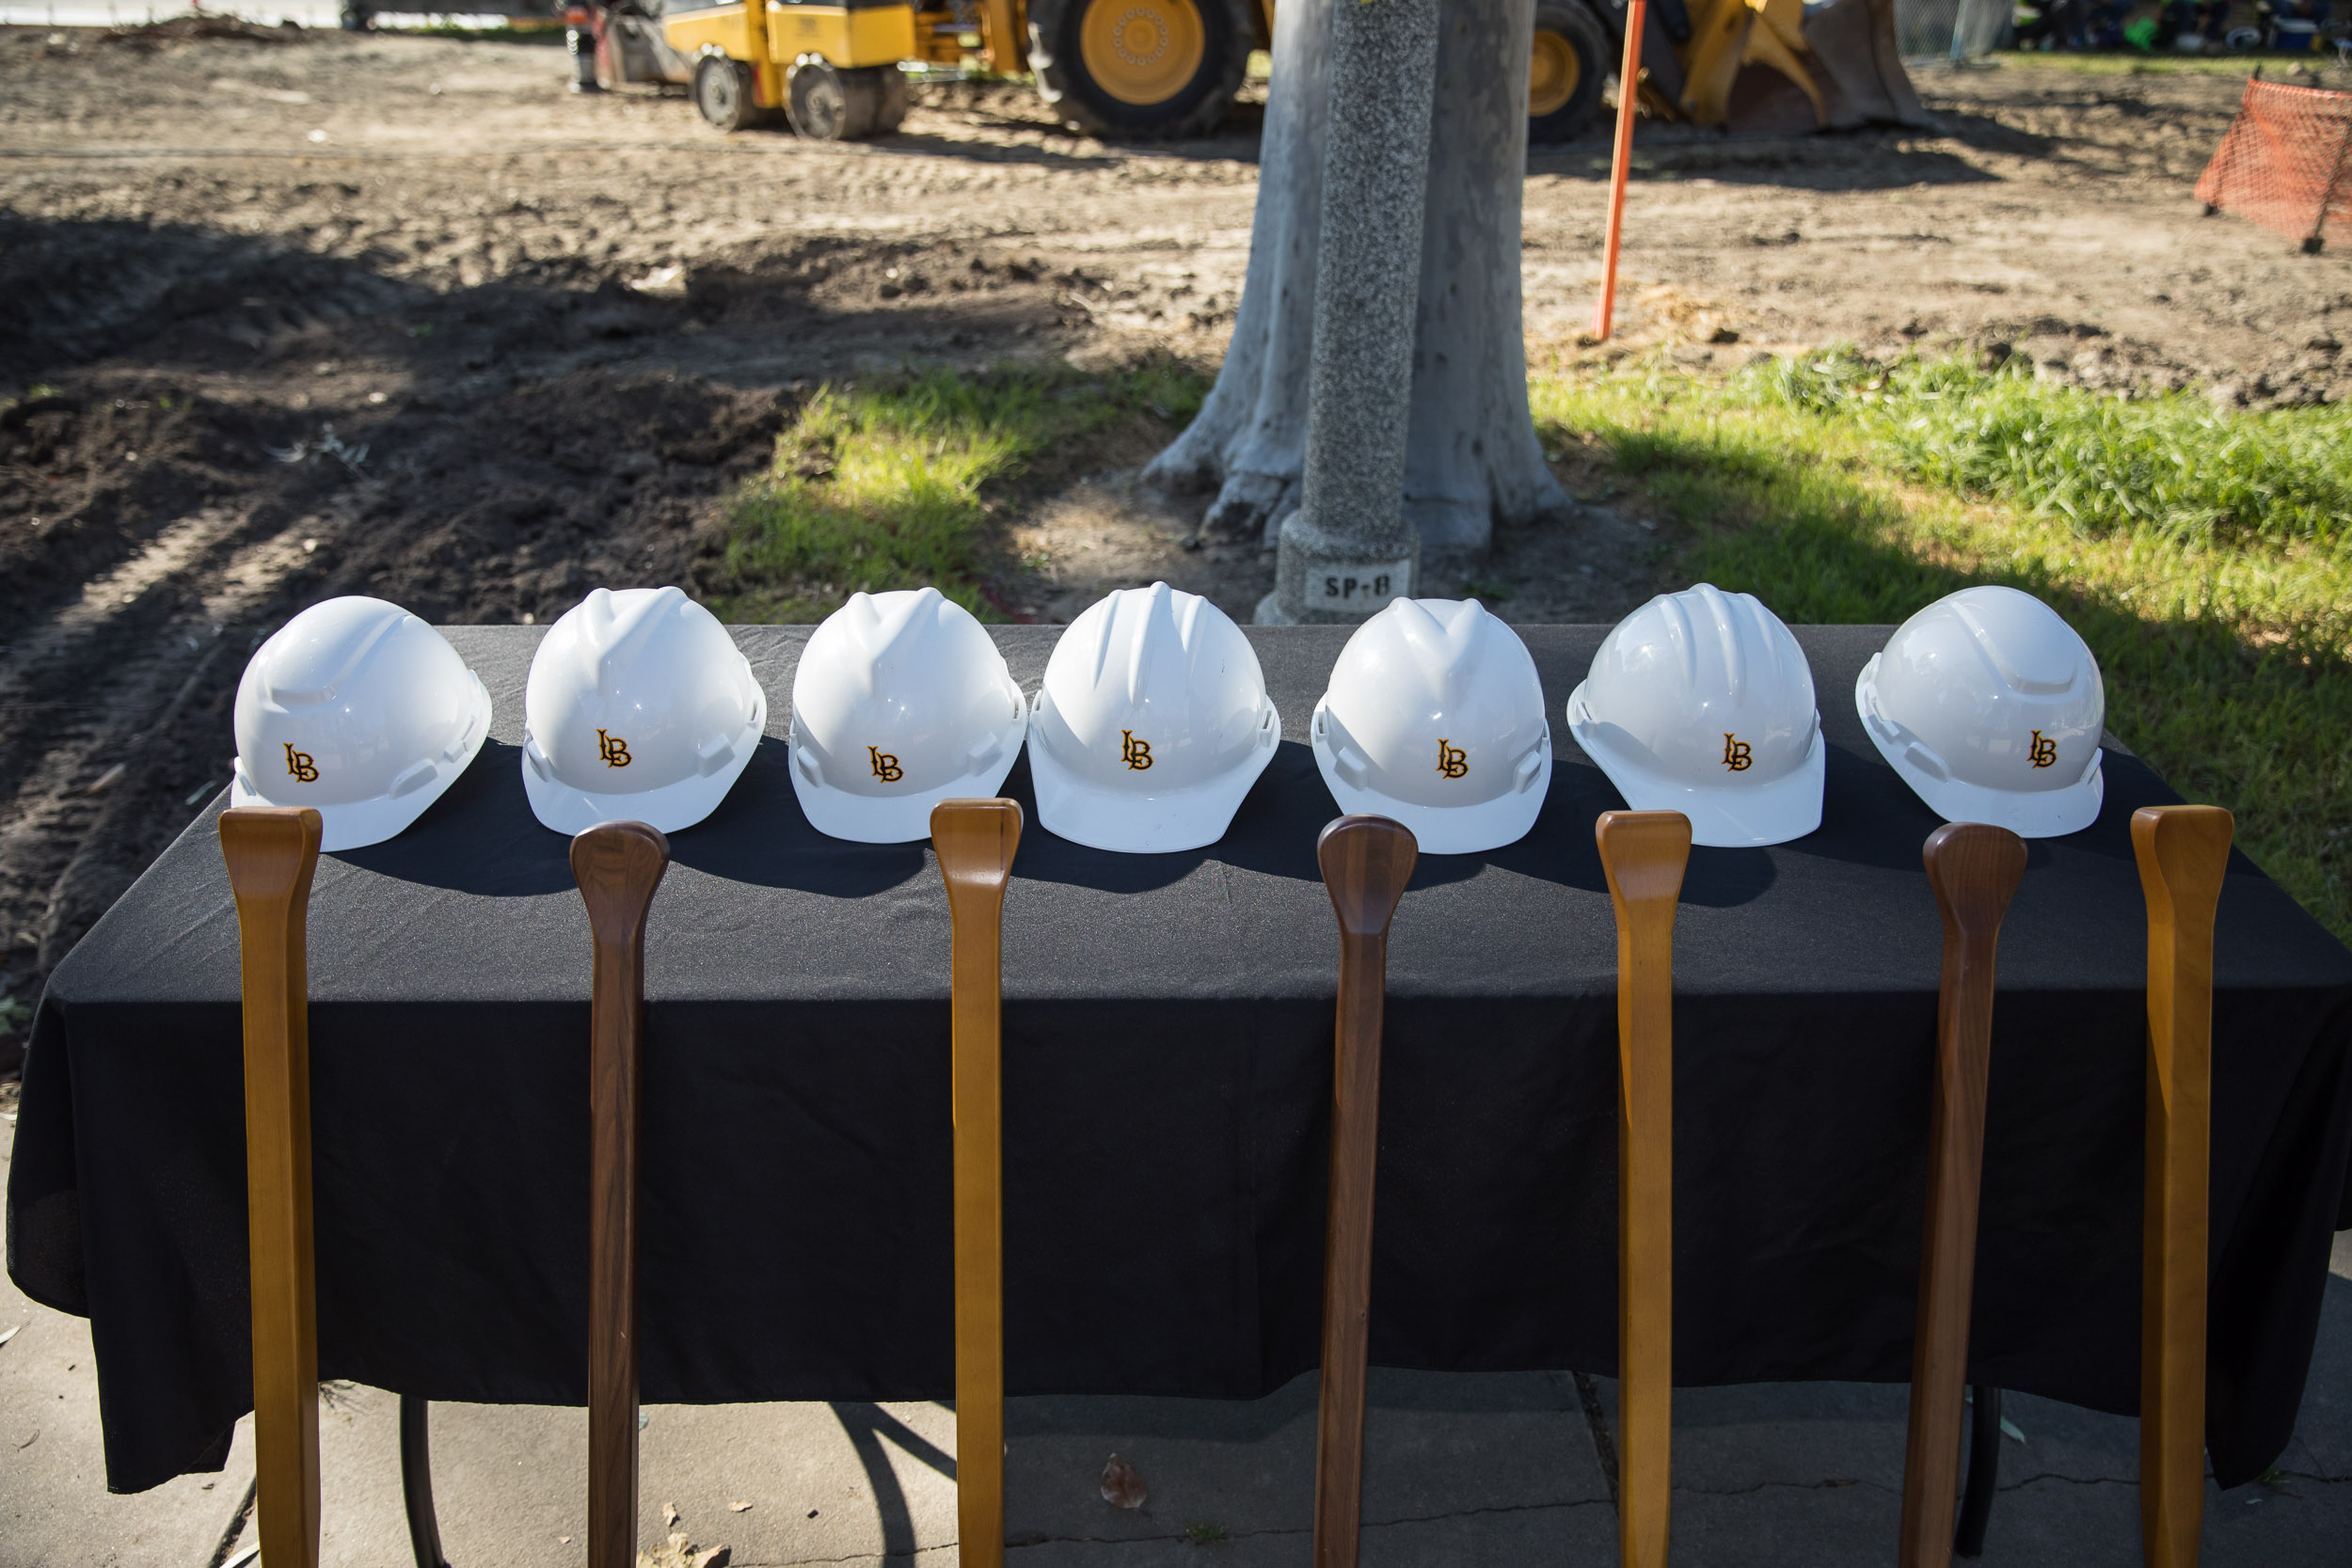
(1629, 93)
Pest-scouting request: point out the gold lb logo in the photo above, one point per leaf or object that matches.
(1136, 754)
(299, 766)
(1452, 760)
(1738, 757)
(612, 748)
(2042, 753)
(885, 766)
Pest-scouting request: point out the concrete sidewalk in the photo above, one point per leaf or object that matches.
(1487, 1469)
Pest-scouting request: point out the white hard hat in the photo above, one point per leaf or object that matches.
(901, 702)
(639, 706)
(1435, 718)
(1991, 708)
(1151, 725)
(360, 709)
(1702, 703)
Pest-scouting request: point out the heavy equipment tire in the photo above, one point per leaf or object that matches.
(1571, 63)
(722, 91)
(890, 110)
(826, 103)
(1147, 70)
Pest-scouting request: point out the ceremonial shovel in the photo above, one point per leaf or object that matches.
(975, 841)
(618, 865)
(1973, 870)
(2182, 851)
(1644, 854)
(1366, 863)
(272, 851)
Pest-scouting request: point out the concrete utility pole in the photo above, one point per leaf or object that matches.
(1348, 550)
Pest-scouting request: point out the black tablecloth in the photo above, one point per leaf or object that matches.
(1167, 1039)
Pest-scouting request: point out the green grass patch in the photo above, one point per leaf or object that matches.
(2130, 62)
(892, 485)
(2206, 558)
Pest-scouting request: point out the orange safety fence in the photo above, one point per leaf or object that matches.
(2286, 163)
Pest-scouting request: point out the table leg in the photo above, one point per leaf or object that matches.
(618, 866)
(1366, 862)
(2183, 852)
(1644, 854)
(1975, 870)
(272, 852)
(975, 841)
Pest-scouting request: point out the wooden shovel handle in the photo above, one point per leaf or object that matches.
(1644, 854)
(975, 841)
(2183, 852)
(1975, 870)
(1366, 862)
(272, 852)
(618, 866)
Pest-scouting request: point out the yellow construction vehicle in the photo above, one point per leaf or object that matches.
(1148, 69)
(1128, 68)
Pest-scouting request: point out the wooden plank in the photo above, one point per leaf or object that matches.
(975, 841)
(2183, 852)
(272, 852)
(1366, 862)
(618, 866)
(1975, 870)
(1644, 854)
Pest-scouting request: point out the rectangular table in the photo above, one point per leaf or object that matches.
(1168, 1047)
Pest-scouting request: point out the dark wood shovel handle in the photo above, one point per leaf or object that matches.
(2183, 852)
(975, 841)
(272, 852)
(618, 866)
(1644, 854)
(1366, 863)
(1975, 870)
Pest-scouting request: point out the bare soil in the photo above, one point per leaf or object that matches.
(289, 314)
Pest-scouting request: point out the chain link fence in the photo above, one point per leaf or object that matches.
(1932, 32)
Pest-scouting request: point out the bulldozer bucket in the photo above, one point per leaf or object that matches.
(1863, 82)
(1746, 70)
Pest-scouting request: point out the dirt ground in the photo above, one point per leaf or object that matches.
(295, 314)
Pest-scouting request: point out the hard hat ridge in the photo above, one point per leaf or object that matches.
(900, 701)
(1702, 702)
(1435, 717)
(638, 704)
(1991, 708)
(359, 710)
(1151, 725)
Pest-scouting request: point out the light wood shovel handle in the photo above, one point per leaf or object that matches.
(618, 866)
(975, 841)
(1366, 863)
(2182, 851)
(1975, 870)
(272, 851)
(1644, 854)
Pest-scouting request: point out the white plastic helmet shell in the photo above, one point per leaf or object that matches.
(1702, 703)
(1151, 725)
(901, 702)
(1991, 708)
(1435, 718)
(359, 708)
(639, 706)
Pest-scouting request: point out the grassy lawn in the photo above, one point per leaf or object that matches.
(897, 482)
(2206, 558)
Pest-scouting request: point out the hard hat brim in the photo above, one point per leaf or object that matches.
(1147, 824)
(357, 824)
(670, 808)
(1445, 829)
(903, 818)
(2029, 814)
(1739, 816)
